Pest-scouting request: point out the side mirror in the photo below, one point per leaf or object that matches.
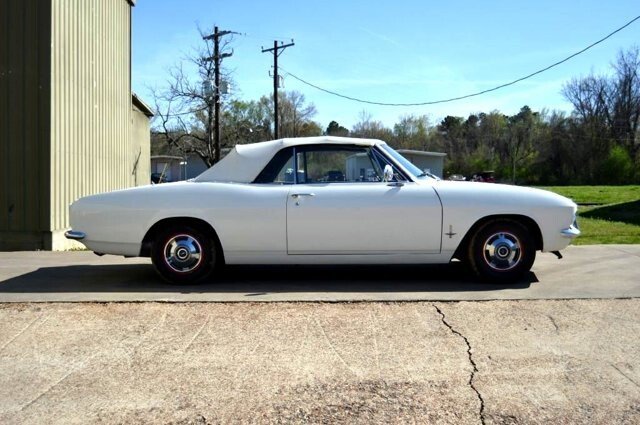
(387, 174)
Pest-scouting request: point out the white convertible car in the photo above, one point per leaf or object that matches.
(324, 200)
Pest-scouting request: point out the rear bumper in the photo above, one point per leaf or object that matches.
(74, 235)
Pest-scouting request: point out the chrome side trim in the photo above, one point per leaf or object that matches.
(76, 236)
(571, 232)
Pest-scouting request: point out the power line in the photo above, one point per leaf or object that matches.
(177, 114)
(434, 102)
(264, 37)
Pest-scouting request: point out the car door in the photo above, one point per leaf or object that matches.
(340, 205)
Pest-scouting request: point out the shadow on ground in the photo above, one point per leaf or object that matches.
(627, 212)
(258, 280)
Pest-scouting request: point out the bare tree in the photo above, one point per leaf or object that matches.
(368, 128)
(609, 107)
(295, 115)
(590, 97)
(185, 106)
(626, 100)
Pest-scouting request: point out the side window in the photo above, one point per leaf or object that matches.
(381, 161)
(285, 175)
(279, 169)
(337, 164)
(326, 164)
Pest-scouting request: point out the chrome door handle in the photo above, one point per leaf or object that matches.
(297, 196)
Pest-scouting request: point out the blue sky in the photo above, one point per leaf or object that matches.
(405, 51)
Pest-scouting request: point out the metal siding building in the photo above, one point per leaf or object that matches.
(67, 122)
(141, 142)
(25, 64)
(432, 162)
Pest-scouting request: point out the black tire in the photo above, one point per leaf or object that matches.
(501, 251)
(183, 254)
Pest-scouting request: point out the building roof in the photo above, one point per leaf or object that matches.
(140, 104)
(167, 157)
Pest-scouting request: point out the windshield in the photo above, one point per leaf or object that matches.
(406, 164)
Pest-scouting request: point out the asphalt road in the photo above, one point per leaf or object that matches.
(597, 271)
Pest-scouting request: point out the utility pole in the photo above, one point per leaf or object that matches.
(216, 58)
(276, 52)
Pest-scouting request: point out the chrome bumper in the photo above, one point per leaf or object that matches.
(571, 232)
(76, 236)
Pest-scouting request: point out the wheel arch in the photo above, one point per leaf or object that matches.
(197, 223)
(526, 221)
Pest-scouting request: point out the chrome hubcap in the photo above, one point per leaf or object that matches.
(502, 251)
(183, 253)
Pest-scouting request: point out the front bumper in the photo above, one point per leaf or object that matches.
(74, 235)
(571, 232)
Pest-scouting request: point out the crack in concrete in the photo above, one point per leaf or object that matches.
(48, 389)
(626, 252)
(374, 331)
(333, 348)
(197, 334)
(553, 321)
(23, 330)
(625, 375)
(474, 369)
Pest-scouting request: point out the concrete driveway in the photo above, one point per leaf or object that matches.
(597, 271)
(496, 362)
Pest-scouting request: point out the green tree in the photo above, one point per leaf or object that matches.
(492, 131)
(412, 132)
(451, 133)
(335, 129)
(554, 163)
(245, 122)
(519, 148)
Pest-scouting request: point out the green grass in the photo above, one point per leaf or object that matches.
(606, 214)
(598, 194)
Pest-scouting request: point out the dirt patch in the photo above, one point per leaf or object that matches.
(365, 402)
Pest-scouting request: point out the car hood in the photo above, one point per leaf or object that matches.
(502, 194)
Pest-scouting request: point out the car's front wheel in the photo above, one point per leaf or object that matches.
(502, 251)
(183, 254)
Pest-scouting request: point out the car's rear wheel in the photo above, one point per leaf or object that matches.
(183, 254)
(502, 251)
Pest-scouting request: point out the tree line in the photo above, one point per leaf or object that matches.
(597, 143)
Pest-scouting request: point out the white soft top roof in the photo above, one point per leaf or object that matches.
(244, 162)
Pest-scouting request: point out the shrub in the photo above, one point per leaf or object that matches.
(617, 168)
